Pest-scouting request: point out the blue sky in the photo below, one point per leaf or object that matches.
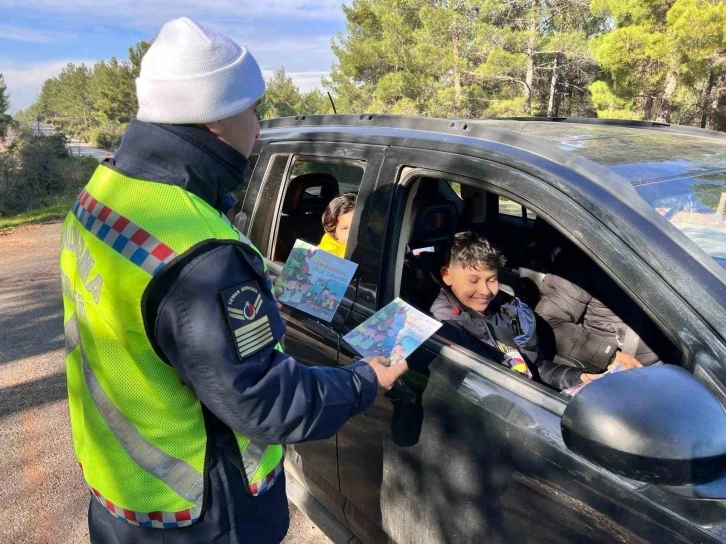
(38, 37)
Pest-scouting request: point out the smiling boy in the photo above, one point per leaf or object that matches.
(487, 321)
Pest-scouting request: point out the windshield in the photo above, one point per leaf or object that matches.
(696, 205)
(682, 176)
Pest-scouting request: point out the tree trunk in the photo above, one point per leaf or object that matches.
(553, 87)
(719, 92)
(648, 108)
(706, 99)
(666, 104)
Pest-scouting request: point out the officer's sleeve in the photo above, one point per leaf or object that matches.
(217, 324)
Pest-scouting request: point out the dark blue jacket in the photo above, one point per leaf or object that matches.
(509, 321)
(266, 395)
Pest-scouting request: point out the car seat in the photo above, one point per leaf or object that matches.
(434, 224)
(537, 259)
(306, 198)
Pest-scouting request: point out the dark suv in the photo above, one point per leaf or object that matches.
(465, 450)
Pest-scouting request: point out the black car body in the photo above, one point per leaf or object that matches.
(466, 450)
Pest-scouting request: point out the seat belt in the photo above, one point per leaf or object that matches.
(632, 338)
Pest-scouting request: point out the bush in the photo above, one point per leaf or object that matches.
(107, 136)
(38, 171)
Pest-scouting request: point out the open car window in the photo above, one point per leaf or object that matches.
(539, 260)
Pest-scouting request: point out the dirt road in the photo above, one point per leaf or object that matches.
(42, 494)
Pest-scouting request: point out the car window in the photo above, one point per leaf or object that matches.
(511, 208)
(696, 205)
(348, 175)
(456, 187)
(312, 183)
(418, 281)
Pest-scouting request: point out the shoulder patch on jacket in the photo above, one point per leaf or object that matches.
(249, 318)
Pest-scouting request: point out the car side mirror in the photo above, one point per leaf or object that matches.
(655, 424)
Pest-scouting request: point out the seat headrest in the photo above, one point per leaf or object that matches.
(544, 231)
(434, 223)
(296, 198)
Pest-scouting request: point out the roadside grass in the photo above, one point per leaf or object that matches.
(33, 217)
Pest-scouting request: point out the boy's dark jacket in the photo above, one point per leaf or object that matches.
(509, 321)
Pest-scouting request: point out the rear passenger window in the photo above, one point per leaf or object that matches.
(312, 183)
(511, 208)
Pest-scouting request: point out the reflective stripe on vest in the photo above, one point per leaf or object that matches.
(150, 254)
(150, 520)
(178, 475)
(130, 240)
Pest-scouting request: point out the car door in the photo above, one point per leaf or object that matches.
(308, 339)
(467, 451)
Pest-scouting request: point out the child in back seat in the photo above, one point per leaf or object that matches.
(487, 321)
(336, 222)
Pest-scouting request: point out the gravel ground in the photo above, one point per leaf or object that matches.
(42, 494)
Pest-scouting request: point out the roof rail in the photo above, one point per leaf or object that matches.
(591, 121)
(627, 123)
(438, 124)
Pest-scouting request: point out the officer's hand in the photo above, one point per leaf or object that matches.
(386, 374)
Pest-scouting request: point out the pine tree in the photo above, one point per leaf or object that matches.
(282, 98)
(660, 51)
(5, 119)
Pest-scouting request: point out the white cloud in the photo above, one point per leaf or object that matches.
(291, 47)
(305, 81)
(32, 35)
(24, 82)
(154, 12)
(306, 54)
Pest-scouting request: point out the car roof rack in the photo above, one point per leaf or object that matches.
(592, 121)
(436, 124)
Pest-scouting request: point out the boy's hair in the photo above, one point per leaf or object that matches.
(470, 249)
(340, 205)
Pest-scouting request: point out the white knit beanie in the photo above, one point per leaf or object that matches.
(193, 74)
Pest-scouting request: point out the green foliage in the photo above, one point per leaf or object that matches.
(136, 53)
(37, 171)
(107, 136)
(112, 92)
(610, 105)
(282, 98)
(5, 119)
(42, 215)
(632, 59)
(90, 103)
(468, 58)
(659, 48)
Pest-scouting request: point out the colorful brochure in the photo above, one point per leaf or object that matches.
(572, 391)
(393, 332)
(314, 281)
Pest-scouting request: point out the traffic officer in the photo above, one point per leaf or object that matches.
(180, 394)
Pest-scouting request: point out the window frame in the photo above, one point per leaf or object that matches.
(321, 159)
(404, 165)
(269, 193)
